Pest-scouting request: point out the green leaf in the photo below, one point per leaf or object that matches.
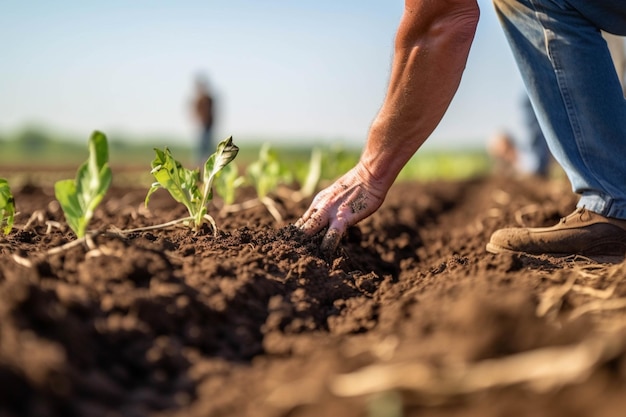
(182, 183)
(225, 153)
(7, 207)
(313, 174)
(266, 173)
(67, 196)
(227, 181)
(80, 197)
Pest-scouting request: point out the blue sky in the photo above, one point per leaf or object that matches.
(281, 70)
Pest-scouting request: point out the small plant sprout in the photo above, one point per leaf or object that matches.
(266, 174)
(227, 181)
(311, 177)
(80, 197)
(7, 207)
(184, 185)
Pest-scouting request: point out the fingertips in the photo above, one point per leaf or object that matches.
(311, 225)
(305, 218)
(331, 241)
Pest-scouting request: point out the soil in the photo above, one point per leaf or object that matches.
(411, 316)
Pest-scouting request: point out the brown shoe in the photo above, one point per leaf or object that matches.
(581, 233)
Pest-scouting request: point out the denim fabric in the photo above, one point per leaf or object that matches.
(575, 91)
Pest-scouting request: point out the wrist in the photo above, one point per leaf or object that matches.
(377, 180)
(382, 165)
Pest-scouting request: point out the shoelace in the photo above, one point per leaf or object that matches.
(579, 211)
(582, 211)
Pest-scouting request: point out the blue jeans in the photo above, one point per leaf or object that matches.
(575, 91)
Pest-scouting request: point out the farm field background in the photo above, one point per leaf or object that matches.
(37, 150)
(410, 317)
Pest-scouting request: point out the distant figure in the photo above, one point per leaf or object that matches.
(526, 156)
(203, 110)
(534, 156)
(503, 152)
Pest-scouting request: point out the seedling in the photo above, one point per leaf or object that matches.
(267, 172)
(80, 197)
(7, 207)
(183, 184)
(227, 181)
(309, 176)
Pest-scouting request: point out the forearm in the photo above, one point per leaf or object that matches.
(431, 49)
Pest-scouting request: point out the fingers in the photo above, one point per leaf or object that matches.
(343, 204)
(305, 217)
(331, 241)
(336, 230)
(313, 221)
(299, 222)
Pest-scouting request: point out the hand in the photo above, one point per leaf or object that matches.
(347, 201)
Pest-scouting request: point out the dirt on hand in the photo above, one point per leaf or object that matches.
(411, 317)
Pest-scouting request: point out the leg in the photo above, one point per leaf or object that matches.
(575, 92)
(204, 148)
(534, 156)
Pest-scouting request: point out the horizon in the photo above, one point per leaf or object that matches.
(281, 71)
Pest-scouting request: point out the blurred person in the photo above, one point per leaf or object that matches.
(526, 156)
(534, 157)
(502, 150)
(204, 115)
(572, 83)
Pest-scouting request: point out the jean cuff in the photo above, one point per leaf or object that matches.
(602, 205)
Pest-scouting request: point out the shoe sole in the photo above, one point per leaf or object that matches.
(612, 259)
(495, 249)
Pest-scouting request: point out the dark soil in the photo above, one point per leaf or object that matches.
(412, 317)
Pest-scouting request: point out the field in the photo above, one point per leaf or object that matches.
(411, 317)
